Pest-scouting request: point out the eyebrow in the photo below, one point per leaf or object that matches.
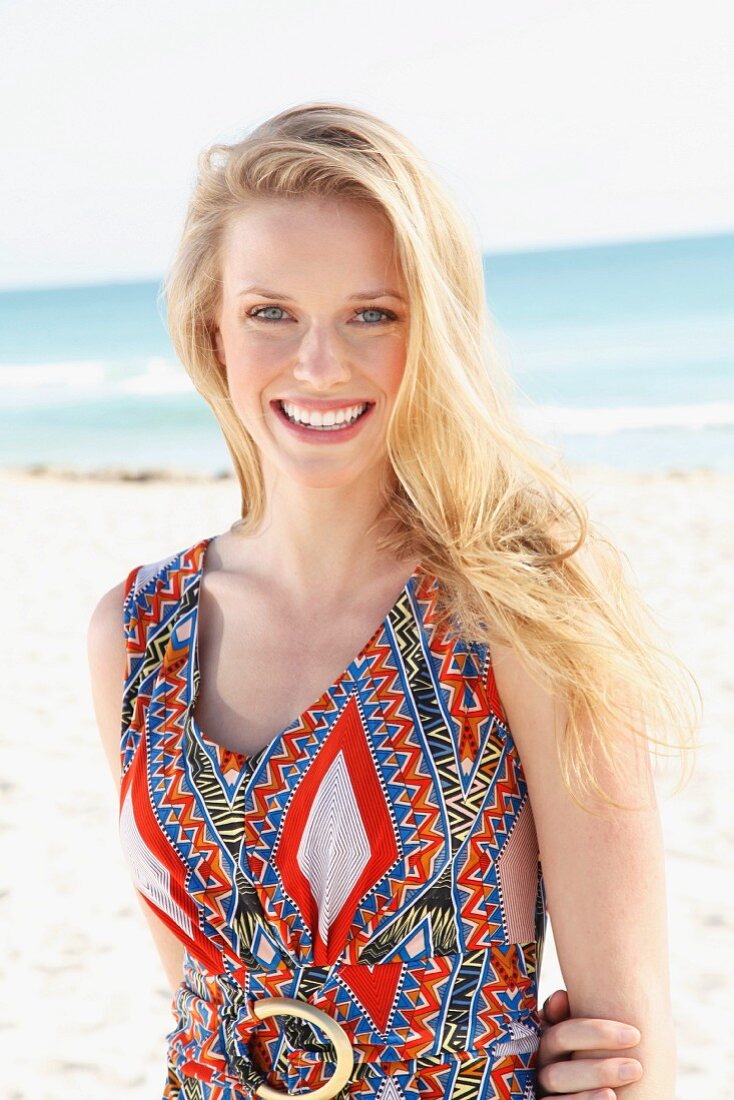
(368, 295)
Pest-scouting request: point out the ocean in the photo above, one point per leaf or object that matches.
(623, 355)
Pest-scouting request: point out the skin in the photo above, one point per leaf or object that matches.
(321, 342)
(586, 1055)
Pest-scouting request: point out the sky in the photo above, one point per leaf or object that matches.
(552, 122)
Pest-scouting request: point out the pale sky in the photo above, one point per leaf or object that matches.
(553, 122)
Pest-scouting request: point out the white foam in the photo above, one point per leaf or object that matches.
(161, 376)
(34, 376)
(28, 384)
(605, 421)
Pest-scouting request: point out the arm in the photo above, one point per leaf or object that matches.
(604, 879)
(107, 666)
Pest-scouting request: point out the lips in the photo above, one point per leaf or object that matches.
(324, 420)
(306, 418)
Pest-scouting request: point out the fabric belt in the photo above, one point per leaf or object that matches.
(219, 1037)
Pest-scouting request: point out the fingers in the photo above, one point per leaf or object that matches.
(585, 1034)
(563, 1073)
(597, 1075)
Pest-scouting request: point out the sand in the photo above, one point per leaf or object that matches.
(84, 1005)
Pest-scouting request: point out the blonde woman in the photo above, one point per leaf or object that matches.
(401, 709)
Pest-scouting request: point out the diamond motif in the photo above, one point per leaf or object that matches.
(339, 825)
(334, 848)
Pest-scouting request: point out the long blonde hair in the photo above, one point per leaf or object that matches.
(472, 498)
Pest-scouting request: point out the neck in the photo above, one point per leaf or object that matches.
(316, 537)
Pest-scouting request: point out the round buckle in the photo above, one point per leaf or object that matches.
(275, 1006)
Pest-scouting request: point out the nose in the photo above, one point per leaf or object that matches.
(321, 361)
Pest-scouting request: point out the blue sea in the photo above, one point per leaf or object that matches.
(623, 354)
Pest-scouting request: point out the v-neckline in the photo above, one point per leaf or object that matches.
(194, 677)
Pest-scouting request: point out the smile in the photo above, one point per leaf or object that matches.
(340, 422)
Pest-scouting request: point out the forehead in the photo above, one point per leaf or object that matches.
(274, 238)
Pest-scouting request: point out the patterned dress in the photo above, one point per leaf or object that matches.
(377, 859)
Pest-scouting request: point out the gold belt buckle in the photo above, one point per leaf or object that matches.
(275, 1006)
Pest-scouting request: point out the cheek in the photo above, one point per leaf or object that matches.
(242, 386)
(394, 369)
(251, 368)
(382, 358)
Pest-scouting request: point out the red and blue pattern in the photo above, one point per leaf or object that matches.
(378, 859)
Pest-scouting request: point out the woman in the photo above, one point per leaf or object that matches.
(357, 903)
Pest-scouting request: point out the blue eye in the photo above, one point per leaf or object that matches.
(256, 313)
(385, 312)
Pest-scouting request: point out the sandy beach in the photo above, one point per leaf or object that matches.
(85, 1005)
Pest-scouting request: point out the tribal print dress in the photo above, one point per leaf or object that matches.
(377, 859)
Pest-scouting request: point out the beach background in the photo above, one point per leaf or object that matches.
(623, 353)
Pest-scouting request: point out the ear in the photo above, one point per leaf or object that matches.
(219, 347)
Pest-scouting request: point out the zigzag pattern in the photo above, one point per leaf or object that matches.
(374, 859)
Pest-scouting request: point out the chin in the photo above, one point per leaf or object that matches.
(325, 481)
(315, 476)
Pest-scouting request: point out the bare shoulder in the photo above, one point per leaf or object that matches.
(106, 634)
(534, 713)
(538, 715)
(106, 656)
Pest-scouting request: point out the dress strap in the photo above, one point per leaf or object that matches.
(140, 613)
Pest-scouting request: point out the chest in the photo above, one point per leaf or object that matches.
(261, 667)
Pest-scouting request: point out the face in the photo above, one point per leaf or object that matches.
(312, 332)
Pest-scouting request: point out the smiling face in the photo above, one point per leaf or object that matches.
(313, 328)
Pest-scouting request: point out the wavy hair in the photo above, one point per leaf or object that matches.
(486, 507)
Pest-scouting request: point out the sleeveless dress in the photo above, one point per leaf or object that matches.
(378, 858)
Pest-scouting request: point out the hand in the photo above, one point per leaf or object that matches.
(562, 1072)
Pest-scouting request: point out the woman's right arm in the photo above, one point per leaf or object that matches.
(107, 668)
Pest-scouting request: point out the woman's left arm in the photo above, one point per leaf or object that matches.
(604, 878)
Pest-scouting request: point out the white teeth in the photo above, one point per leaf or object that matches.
(332, 420)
